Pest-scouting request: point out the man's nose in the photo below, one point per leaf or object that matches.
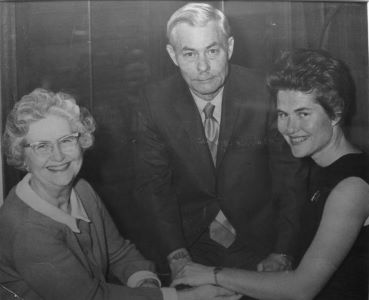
(203, 63)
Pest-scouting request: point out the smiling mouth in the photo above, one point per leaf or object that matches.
(59, 168)
(298, 140)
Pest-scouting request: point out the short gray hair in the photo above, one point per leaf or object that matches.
(198, 14)
(36, 106)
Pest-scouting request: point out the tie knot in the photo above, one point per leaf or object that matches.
(208, 110)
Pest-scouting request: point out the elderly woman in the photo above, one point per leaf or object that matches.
(57, 241)
(313, 95)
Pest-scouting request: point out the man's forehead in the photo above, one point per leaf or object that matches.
(188, 26)
(187, 35)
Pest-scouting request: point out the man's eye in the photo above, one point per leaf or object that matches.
(213, 51)
(281, 115)
(188, 54)
(303, 114)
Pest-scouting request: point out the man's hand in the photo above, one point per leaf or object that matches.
(176, 266)
(150, 283)
(195, 275)
(275, 262)
(177, 260)
(208, 292)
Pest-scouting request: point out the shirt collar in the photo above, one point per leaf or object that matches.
(217, 101)
(28, 196)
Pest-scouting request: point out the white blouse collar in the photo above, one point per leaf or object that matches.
(28, 196)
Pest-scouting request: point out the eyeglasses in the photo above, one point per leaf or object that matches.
(66, 144)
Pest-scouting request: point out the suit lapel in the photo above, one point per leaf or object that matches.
(190, 119)
(188, 115)
(231, 105)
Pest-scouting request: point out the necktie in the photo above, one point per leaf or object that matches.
(211, 127)
(220, 230)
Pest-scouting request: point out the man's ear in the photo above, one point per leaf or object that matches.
(230, 46)
(172, 54)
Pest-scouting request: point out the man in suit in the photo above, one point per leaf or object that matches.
(211, 170)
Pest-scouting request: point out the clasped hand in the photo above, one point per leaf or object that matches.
(201, 278)
(275, 262)
(194, 275)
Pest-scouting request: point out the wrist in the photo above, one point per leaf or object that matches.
(216, 272)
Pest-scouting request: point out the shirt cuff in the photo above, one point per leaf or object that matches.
(138, 277)
(169, 293)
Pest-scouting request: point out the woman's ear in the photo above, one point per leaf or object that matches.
(337, 118)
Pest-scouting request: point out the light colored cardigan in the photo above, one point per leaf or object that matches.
(42, 259)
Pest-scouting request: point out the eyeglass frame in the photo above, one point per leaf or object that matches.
(75, 135)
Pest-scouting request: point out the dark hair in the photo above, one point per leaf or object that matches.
(315, 71)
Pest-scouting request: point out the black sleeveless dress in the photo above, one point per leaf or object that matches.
(350, 281)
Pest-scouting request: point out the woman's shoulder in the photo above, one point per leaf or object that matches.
(353, 184)
(352, 161)
(13, 210)
(351, 195)
(86, 192)
(19, 222)
(83, 184)
(351, 165)
(352, 187)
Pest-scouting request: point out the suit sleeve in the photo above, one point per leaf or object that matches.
(154, 189)
(289, 188)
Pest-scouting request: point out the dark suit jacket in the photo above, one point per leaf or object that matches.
(256, 182)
